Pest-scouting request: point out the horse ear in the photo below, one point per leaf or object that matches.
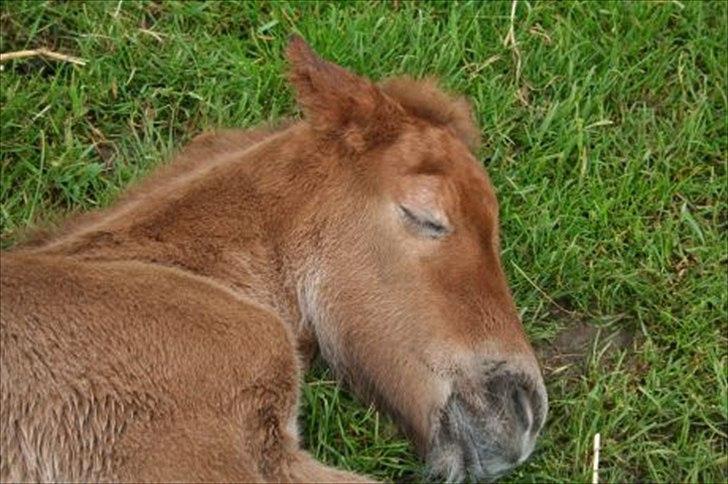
(336, 101)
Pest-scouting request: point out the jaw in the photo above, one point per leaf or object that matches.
(374, 360)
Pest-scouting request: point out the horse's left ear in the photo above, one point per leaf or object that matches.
(339, 103)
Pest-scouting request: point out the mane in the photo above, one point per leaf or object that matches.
(202, 150)
(424, 99)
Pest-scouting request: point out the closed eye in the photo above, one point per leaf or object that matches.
(424, 223)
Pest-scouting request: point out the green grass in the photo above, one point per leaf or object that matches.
(610, 168)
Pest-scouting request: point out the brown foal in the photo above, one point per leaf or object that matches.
(164, 337)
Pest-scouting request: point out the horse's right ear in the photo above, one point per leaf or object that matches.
(336, 101)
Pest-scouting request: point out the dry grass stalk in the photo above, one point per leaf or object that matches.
(595, 462)
(42, 52)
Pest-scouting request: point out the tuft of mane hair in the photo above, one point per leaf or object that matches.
(204, 148)
(425, 99)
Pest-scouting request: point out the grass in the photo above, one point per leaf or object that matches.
(608, 150)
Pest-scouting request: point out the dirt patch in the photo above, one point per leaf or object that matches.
(569, 351)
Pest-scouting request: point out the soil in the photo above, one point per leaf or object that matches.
(570, 349)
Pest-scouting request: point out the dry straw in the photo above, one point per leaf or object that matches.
(42, 52)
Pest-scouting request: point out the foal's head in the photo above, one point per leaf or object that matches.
(405, 290)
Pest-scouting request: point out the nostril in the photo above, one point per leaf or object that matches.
(517, 396)
(522, 407)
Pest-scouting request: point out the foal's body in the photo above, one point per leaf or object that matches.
(164, 338)
(161, 345)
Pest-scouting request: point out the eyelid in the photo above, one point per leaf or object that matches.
(425, 223)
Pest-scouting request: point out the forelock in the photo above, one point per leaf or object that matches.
(424, 99)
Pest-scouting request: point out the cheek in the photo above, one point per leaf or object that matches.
(386, 255)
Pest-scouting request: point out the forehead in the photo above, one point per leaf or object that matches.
(428, 153)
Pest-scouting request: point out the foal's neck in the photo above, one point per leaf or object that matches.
(231, 218)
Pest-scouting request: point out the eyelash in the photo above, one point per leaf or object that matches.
(432, 228)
